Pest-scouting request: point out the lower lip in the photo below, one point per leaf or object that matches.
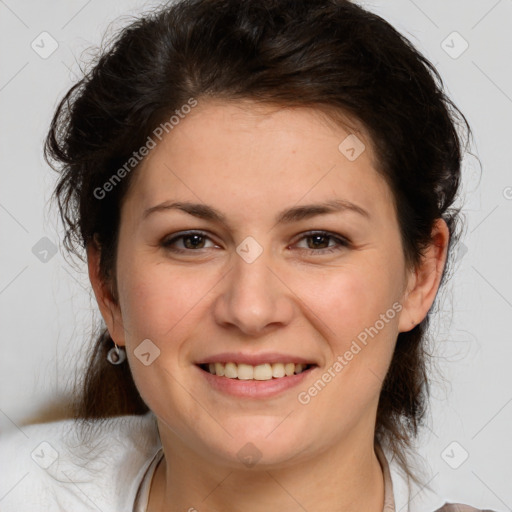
(254, 388)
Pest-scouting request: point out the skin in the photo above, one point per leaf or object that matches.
(251, 162)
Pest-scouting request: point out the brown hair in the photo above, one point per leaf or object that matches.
(328, 54)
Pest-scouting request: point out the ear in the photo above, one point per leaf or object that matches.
(423, 281)
(108, 304)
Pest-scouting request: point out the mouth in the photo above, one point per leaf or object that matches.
(260, 372)
(260, 375)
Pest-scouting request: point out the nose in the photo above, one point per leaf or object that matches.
(253, 299)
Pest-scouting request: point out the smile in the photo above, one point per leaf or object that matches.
(265, 371)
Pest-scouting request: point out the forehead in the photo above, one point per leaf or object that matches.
(243, 152)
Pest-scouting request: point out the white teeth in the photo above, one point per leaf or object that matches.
(299, 368)
(230, 371)
(219, 369)
(278, 370)
(289, 369)
(264, 371)
(245, 372)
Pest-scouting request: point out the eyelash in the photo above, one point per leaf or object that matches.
(341, 241)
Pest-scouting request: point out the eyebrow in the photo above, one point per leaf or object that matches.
(294, 214)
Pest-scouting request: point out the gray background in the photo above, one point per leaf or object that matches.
(47, 307)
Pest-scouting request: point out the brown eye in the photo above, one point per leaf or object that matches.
(318, 241)
(193, 241)
(321, 242)
(187, 242)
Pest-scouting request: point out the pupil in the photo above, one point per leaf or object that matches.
(319, 238)
(196, 241)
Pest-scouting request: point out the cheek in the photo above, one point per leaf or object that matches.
(163, 305)
(159, 301)
(359, 310)
(352, 298)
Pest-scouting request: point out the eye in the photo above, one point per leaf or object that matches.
(317, 242)
(322, 242)
(187, 242)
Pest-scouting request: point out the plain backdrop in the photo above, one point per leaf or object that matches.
(47, 308)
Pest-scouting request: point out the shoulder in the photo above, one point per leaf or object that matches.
(412, 497)
(72, 466)
(459, 507)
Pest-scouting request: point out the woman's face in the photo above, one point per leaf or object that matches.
(249, 235)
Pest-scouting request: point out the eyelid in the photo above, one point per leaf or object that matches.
(343, 241)
(313, 232)
(169, 240)
(305, 234)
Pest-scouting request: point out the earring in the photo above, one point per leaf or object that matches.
(116, 355)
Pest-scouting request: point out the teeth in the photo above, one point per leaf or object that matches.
(278, 370)
(289, 369)
(230, 371)
(264, 371)
(219, 369)
(245, 372)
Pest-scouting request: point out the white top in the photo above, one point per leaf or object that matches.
(49, 468)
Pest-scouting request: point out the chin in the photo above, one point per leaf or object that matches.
(254, 445)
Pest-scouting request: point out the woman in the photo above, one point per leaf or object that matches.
(264, 191)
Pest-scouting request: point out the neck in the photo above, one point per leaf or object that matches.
(345, 478)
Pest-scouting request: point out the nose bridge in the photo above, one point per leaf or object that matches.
(252, 298)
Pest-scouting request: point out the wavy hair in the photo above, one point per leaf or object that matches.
(331, 55)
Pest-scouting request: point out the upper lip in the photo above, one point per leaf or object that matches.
(254, 359)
